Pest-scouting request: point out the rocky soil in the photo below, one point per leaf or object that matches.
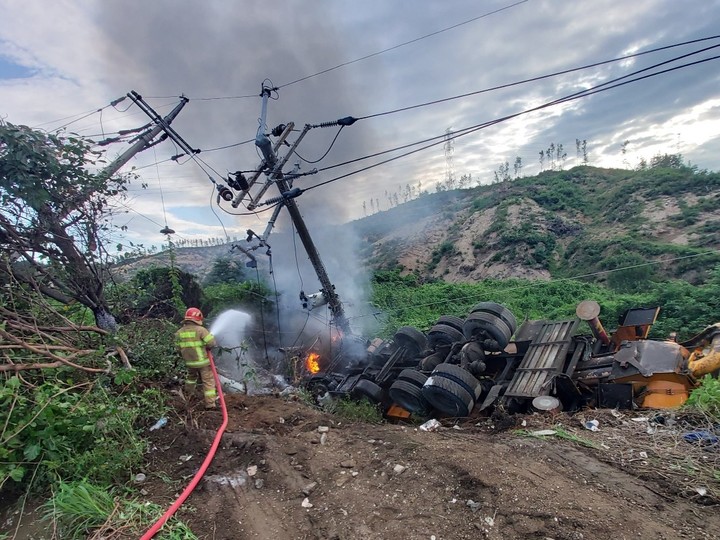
(288, 471)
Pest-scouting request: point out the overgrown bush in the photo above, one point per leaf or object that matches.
(706, 398)
(64, 430)
(150, 345)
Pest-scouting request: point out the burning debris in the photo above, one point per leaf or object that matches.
(487, 361)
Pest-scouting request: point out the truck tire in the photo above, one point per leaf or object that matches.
(411, 338)
(413, 377)
(501, 311)
(409, 396)
(442, 334)
(461, 376)
(490, 324)
(451, 320)
(448, 397)
(368, 389)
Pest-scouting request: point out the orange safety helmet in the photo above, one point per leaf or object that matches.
(194, 314)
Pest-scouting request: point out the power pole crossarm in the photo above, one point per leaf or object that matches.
(145, 139)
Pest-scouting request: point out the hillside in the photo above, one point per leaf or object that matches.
(556, 224)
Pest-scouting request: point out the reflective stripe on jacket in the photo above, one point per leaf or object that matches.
(193, 341)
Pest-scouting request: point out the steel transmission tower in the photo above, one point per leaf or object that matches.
(449, 147)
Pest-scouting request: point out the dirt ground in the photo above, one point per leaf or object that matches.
(392, 481)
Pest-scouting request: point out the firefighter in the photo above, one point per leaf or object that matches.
(193, 342)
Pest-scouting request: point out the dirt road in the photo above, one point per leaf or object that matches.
(365, 481)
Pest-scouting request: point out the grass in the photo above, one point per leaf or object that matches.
(355, 411)
(560, 433)
(706, 399)
(84, 510)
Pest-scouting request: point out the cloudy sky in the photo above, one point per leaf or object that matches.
(62, 58)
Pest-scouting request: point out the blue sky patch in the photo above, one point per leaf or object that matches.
(11, 70)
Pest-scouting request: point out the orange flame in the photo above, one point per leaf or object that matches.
(312, 362)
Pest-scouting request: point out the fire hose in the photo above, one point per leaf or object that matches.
(152, 531)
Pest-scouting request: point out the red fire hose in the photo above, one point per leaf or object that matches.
(152, 531)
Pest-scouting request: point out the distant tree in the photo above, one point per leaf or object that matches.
(225, 270)
(669, 161)
(364, 208)
(542, 160)
(585, 152)
(517, 166)
(623, 151)
(550, 154)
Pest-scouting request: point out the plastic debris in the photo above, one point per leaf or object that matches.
(474, 506)
(140, 478)
(186, 457)
(430, 425)
(592, 425)
(306, 503)
(252, 470)
(323, 429)
(160, 423)
(543, 432)
(702, 437)
(701, 491)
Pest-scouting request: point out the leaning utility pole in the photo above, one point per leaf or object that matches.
(287, 195)
(145, 139)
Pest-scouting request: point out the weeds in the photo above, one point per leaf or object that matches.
(84, 510)
(560, 433)
(355, 411)
(706, 398)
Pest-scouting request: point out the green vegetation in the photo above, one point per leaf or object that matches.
(706, 399)
(355, 411)
(80, 508)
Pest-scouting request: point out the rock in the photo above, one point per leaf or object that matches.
(399, 469)
(252, 470)
(259, 483)
(323, 429)
(355, 473)
(340, 482)
(323, 438)
(306, 503)
(348, 464)
(309, 488)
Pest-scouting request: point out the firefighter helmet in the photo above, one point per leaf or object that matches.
(194, 314)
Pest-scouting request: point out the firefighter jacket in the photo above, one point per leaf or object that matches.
(192, 342)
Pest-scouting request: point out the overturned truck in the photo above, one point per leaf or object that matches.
(486, 360)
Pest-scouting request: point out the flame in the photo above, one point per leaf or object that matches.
(312, 362)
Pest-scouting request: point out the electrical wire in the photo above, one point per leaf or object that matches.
(466, 131)
(212, 193)
(228, 146)
(403, 44)
(326, 153)
(535, 79)
(262, 317)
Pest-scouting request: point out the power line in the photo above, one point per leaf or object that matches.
(535, 79)
(466, 131)
(403, 44)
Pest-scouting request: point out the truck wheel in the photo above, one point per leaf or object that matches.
(501, 311)
(413, 377)
(408, 396)
(411, 338)
(368, 389)
(460, 376)
(489, 324)
(451, 320)
(448, 396)
(442, 334)
(430, 362)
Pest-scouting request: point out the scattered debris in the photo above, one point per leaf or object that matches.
(306, 503)
(252, 470)
(160, 423)
(348, 464)
(543, 432)
(474, 506)
(185, 458)
(430, 425)
(309, 488)
(140, 478)
(323, 429)
(399, 469)
(592, 425)
(323, 438)
(259, 483)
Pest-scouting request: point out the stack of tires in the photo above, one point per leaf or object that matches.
(491, 322)
(449, 389)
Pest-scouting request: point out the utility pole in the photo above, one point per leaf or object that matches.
(145, 140)
(274, 165)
